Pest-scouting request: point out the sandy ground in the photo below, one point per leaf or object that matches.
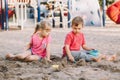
(106, 40)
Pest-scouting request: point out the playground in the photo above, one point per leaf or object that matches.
(26, 13)
(105, 38)
(22, 13)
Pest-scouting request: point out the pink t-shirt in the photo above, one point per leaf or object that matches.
(75, 41)
(38, 46)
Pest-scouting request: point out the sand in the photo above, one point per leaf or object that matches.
(106, 40)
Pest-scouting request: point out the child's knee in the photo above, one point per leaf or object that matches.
(29, 58)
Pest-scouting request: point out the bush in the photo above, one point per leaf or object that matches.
(108, 2)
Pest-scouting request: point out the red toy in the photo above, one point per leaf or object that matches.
(113, 12)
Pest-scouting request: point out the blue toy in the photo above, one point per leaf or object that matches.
(94, 52)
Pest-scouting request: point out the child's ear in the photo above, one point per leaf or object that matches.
(82, 25)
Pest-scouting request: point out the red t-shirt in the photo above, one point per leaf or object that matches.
(75, 41)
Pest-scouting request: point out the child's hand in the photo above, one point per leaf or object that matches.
(71, 58)
(93, 49)
(25, 48)
(49, 60)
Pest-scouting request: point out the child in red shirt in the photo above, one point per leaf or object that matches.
(75, 40)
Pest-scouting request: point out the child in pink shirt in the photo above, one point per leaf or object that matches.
(39, 46)
(75, 40)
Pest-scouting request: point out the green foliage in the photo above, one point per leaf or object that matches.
(108, 2)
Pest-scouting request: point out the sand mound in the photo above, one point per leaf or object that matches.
(36, 70)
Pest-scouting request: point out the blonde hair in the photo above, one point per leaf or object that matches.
(77, 20)
(42, 25)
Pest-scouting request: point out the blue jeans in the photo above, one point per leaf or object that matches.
(82, 55)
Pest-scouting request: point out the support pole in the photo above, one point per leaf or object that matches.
(22, 6)
(39, 11)
(25, 12)
(1, 14)
(17, 9)
(2, 11)
(69, 13)
(6, 15)
(61, 20)
(53, 20)
(104, 12)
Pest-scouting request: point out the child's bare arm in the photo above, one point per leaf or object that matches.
(28, 46)
(86, 48)
(48, 52)
(71, 58)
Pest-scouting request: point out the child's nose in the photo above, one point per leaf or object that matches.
(77, 30)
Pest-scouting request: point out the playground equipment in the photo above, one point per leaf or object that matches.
(3, 15)
(34, 4)
(89, 10)
(66, 10)
(59, 7)
(113, 12)
(20, 10)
